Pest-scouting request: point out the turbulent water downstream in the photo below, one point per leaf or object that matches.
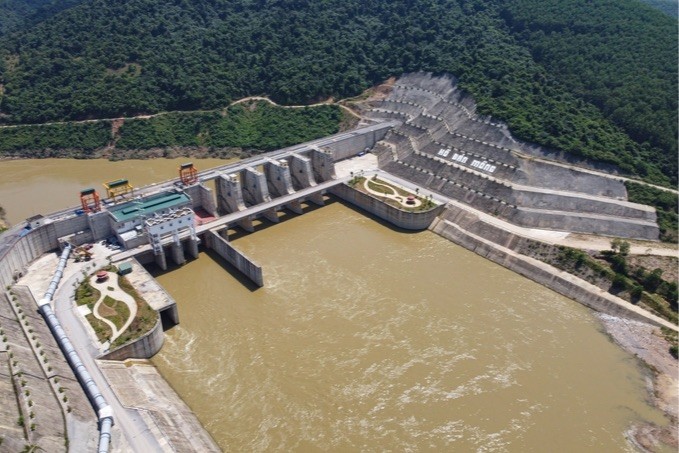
(365, 338)
(369, 339)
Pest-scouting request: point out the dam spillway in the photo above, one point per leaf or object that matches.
(429, 135)
(23, 243)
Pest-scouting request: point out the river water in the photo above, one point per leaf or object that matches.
(41, 186)
(366, 338)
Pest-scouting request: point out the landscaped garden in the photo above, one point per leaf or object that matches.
(115, 310)
(392, 194)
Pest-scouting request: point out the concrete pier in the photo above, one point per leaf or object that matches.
(317, 198)
(295, 206)
(193, 247)
(161, 260)
(301, 173)
(178, 253)
(323, 164)
(278, 178)
(254, 186)
(271, 215)
(234, 257)
(229, 194)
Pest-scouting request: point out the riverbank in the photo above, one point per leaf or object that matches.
(650, 347)
(115, 154)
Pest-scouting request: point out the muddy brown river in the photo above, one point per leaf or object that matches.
(369, 339)
(41, 186)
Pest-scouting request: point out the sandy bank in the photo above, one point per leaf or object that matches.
(649, 345)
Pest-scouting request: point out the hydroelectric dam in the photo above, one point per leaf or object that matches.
(482, 190)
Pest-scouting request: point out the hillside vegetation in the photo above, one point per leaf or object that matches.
(605, 89)
(669, 7)
(626, 69)
(22, 14)
(250, 126)
(665, 204)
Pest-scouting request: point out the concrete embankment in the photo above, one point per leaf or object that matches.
(467, 230)
(143, 347)
(402, 219)
(165, 414)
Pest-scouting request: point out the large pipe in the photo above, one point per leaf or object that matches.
(104, 411)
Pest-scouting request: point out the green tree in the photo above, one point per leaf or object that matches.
(653, 280)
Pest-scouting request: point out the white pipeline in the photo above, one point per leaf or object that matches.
(102, 408)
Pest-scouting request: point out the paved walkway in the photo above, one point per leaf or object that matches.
(118, 294)
(393, 196)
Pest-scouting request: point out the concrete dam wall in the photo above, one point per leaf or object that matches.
(295, 168)
(142, 348)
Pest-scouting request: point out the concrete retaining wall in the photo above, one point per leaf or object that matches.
(355, 143)
(20, 251)
(402, 219)
(455, 225)
(234, 257)
(144, 347)
(100, 225)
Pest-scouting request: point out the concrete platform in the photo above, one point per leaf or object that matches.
(139, 385)
(148, 287)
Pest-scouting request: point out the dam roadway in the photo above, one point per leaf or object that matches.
(232, 218)
(212, 173)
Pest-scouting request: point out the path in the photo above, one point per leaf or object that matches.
(118, 294)
(393, 196)
(330, 101)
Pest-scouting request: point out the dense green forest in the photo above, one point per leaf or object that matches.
(578, 47)
(669, 7)
(254, 125)
(601, 88)
(666, 206)
(49, 139)
(22, 14)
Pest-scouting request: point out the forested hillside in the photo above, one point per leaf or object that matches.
(607, 91)
(20, 14)
(249, 126)
(668, 7)
(626, 70)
